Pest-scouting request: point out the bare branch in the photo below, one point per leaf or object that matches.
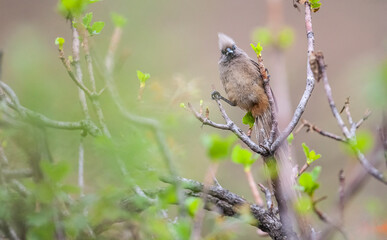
(349, 117)
(332, 104)
(240, 134)
(41, 120)
(368, 166)
(94, 100)
(79, 76)
(310, 82)
(229, 202)
(253, 187)
(78, 82)
(18, 173)
(314, 128)
(365, 117)
(341, 195)
(349, 136)
(266, 191)
(81, 161)
(205, 120)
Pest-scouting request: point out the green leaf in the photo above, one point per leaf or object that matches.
(218, 148)
(248, 119)
(311, 156)
(193, 204)
(182, 105)
(262, 35)
(118, 20)
(315, 5)
(86, 20)
(55, 172)
(290, 138)
(96, 28)
(308, 181)
(257, 49)
(143, 77)
(286, 38)
(306, 150)
(73, 8)
(243, 156)
(59, 41)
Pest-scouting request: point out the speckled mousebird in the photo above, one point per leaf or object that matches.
(243, 84)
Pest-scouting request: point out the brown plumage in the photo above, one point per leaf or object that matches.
(243, 83)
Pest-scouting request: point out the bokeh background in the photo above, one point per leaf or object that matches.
(176, 42)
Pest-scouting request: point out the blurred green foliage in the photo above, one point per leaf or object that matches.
(218, 148)
(243, 156)
(118, 20)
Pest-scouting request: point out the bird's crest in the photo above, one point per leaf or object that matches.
(225, 41)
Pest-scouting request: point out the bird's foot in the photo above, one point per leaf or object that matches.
(216, 95)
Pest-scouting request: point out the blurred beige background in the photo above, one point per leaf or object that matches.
(176, 41)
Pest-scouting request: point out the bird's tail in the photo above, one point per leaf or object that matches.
(262, 126)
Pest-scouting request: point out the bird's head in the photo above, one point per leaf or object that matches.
(227, 46)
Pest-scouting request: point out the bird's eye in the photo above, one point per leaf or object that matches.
(233, 47)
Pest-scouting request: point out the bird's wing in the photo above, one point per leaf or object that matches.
(275, 101)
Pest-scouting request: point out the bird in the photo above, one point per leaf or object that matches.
(243, 84)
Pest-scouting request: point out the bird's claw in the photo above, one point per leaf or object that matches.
(216, 95)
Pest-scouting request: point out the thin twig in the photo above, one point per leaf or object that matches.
(303, 169)
(367, 114)
(314, 128)
(341, 196)
(199, 217)
(240, 134)
(81, 163)
(94, 100)
(332, 104)
(75, 79)
(349, 117)
(368, 166)
(253, 188)
(323, 217)
(266, 191)
(205, 120)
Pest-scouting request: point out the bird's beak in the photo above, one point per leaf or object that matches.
(229, 51)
